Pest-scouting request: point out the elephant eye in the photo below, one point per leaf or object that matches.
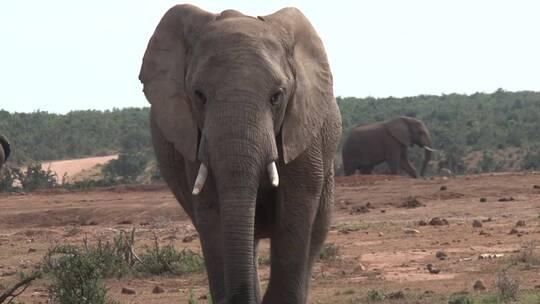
(277, 97)
(200, 96)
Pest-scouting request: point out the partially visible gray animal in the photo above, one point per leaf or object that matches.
(373, 144)
(5, 150)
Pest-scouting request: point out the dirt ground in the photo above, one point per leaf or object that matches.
(382, 242)
(77, 169)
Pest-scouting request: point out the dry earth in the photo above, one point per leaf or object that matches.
(381, 243)
(78, 169)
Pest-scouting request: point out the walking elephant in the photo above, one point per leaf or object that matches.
(372, 144)
(245, 128)
(5, 150)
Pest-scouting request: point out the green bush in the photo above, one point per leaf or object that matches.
(159, 260)
(126, 168)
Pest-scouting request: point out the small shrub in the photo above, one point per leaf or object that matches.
(76, 278)
(36, 177)
(126, 168)
(460, 299)
(329, 253)
(376, 296)
(167, 260)
(508, 287)
(528, 255)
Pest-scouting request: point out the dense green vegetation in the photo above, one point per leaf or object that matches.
(476, 133)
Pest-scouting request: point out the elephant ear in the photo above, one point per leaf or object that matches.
(399, 129)
(313, 96)
(163, 71)
(5, 146)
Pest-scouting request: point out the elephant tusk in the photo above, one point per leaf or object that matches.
(200, 180)
(273, 174)
(430, 149)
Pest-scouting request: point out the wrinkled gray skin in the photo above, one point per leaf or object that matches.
(373, 144)
(235, 93)
(4, 150)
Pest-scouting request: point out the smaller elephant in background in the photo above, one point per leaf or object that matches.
(372, 144)
(5, 150)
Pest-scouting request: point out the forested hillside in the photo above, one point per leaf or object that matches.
(475, 133)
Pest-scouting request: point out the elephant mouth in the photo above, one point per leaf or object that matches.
(203, 174)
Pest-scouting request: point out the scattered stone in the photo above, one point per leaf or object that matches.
(506, 199)
(443, 188)
(396, 295)
(514, 231)
(422, 223)
(489, 219)
(477, 224)
(8, 273)
(158, 289)
(381, 234)
(411, 231)
(30, 250)
(520, 223)
(411, 202)
(441, 255)
(189, 238)
(484, 256)
(128, 291)
(361, 209)
(369, 205)
(537, 287)
(383, 211)
(483, 200)
(479, 285)
(438, 221)
(482, 232)
(125, 222)
(536, 187)
(432, 269)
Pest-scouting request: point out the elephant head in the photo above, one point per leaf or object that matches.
(237, 94)
(410, 131)
(5, 151)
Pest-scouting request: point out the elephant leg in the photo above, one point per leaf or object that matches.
(297, 205)
(407, 166)
(366, 170)
(393, 160)
(321, 225)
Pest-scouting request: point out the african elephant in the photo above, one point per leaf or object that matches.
(5, 150)
(372, 144)
(235, 100)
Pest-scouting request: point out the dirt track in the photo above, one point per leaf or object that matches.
(370, 229)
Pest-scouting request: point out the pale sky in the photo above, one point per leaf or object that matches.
(67, 55)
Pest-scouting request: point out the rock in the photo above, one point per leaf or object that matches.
(432, 269)
(487, 220)
(30, 250)
(411, 231)
(536, 187)
(125, 222)
(479, 285)
(411, 202)
(438, 221)
(477, 224)
(482, 232)
(128, 291)
(483, 200)
(158, 289)
(506, 199)
(189, 238)
(537, 287)
(422, 223)
(369, 205)
(513, 231)
(383, 211)
(8, 273)
(520, 223)
(381, 234)
(361, 209)
(443, 188)
(441, 255)
(484, 256)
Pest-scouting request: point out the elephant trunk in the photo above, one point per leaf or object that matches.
(428, 153)
(240, 155)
